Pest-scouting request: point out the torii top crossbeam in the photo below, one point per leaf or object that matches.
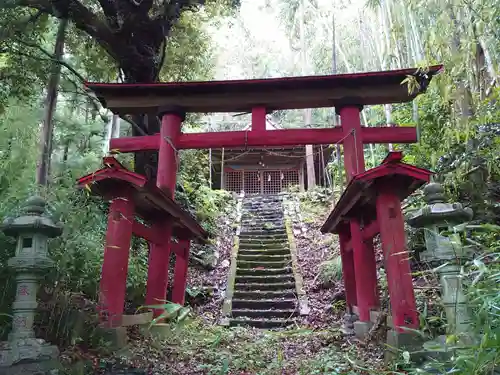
(343, 91)
(273, 93)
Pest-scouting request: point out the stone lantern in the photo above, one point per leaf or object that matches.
(445, 252)
(23, 353)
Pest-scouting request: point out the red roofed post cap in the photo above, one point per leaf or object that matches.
(150, 202)
(272, 93)
(359, 197)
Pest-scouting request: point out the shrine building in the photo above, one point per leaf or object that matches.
(264, 170)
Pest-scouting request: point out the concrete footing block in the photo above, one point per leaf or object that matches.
(48, 367)
(117, 337)
(398, 342)
(361, 329)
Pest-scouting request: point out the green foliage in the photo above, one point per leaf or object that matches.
(206, 204)
(172, 312)
(217, 350)
(330, 272)
(313, 202)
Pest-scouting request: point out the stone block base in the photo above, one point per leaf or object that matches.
(348, 324)
(361, 329)
(26, 350)
(159, 330)
(404, 341)
(49, 367)
(117, 337)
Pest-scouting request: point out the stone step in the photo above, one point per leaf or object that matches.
(263, 212)
(266, 294)
(264, 279)
(266, 224)
(264, 240)
(262, 227)
(255, 245)
(262, 304)
(267, 313)
(264, 208)
(244, 237)
(264, 257)
(253, 264)
(268, 214)
(256, 202)
(264, 252)
(265, 286)
(263, 271)
(263, 223)
(263, 232)
(250, 202)
(260, 323)
(262, 215)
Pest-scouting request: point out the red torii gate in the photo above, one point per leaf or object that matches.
(370, 205)
(348, 93)
(161, 217)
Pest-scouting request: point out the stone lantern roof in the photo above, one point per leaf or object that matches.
(32, 219)
(437, 210)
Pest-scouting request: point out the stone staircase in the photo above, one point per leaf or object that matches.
(264, 290)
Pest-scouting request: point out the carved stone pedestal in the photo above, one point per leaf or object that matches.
(23, 353)
(446, 254)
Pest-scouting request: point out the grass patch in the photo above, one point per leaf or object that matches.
(214, 350)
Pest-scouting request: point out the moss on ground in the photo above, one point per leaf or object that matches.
(198, 348)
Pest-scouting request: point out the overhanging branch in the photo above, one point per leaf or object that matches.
(16, 27)
(78, 14)
(49, 57)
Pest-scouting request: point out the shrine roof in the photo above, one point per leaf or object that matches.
(272, 93)
(151, 203)
(359, 198)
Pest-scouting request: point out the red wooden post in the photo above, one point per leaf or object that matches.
(115, 264)
(181, 273)
(354, 160)
(392, 235)
(158, 264)
(167, 156)
(348, 273)
(258, 119)
(354, 163)
(159, 254)
(366, 273)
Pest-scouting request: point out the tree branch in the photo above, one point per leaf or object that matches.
(93, 101)
(49, 57)
(7, 33)
(110, 12)
(78, 14)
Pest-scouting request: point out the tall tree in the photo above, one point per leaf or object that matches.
(43, 168)
(133, 32)
(309, 149)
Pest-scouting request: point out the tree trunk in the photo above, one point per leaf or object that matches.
(43, 168)
(111, 130)
(311, 176)
(388, 64)
(336, 121)
(115, 126)
(464, 97)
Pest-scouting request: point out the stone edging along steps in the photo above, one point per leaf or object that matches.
(264, 286)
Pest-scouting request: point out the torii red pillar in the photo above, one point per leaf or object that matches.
(399, 279)
(159, 254)
(348, 270)
(361, 255)
(181, 272)
(113, 282)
